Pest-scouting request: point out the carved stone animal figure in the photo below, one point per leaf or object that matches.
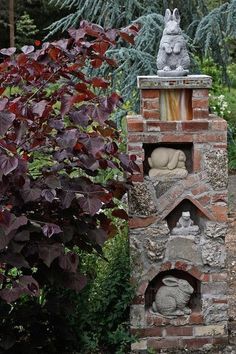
(185, 225)
(172, 54)
(172, 298)
(167, 159)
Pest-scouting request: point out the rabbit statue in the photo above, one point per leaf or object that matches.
(172, 298)
(172, 58)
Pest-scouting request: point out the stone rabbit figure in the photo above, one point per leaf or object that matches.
(173, 54)
(172, 298)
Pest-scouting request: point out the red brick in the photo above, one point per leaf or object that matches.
(135, 125)
(204, 200)
(163, 343)
(147, 332)
(150, 93)
(160, 126)
(200, 93)
(166, 266)
(197, 158)
(135, 223)
(196, 318)
(179, 331)
(195, 272)
(220, 146)
(205, 277)
(220, 301)
(218, 124)
(135, 147)
(151, 104)
(219, 276)
(210, 137)
(200, 113)
(220, 212)
(200, 189)
(173, 138)
(154, 114)
(152, 138)
(142, 288)
(196, 342)
(135, 137)
(139, 300)
(200, 102)
(222, 197)
(156, 321)
(181, 265)
(137, 178)
(195, 126)
(220, 340)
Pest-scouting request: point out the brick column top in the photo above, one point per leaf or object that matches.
(187, 82)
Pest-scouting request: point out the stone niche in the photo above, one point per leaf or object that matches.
(185, 206)
(187, 148)
(195, 300)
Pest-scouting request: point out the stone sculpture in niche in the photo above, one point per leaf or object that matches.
(167, 162)
(172, 298)
(172, 58)
(185, 225)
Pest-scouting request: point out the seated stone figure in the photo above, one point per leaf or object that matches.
(185, 225)
(167, 162)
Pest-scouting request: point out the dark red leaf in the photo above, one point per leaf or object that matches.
(53, 182)
(27, 49)
(100, 47)
(75, 281)
(96, 63)
(99, 82)
(69, 262)
(48, 253)
(15, 260)
(120, 213)
(8, 164)
(49, 194)
(8, 51)
(30, 194)
(51, 229)
(92, 142)
(3, 103)
(22, 236)
(6, 120)
(39, 108)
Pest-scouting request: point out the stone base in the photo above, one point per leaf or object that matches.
(172, 73)
(176, 173)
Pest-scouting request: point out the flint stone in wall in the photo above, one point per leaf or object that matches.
(137, 316)
(148, 245)
(141, 200)
(213, 252)
(214, 312)
(215, 229)
(216, 162)
(183, 248)
(162, 187)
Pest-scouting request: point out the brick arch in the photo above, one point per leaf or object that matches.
(203, 210)
(178, 265)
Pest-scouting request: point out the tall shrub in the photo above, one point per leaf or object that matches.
(50, 108)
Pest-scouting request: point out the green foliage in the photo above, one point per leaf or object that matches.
(103, 307)
(25, 30)
(213, 32)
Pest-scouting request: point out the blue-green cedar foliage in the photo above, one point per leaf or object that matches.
(206, 30)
